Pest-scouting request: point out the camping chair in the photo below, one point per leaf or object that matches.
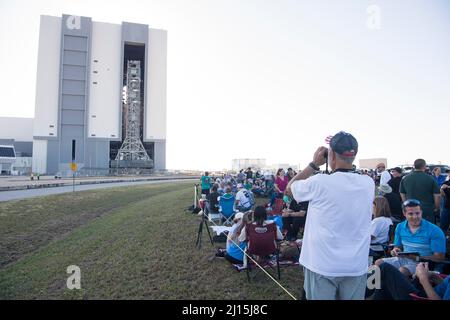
(261, 246)
(277, 208)
(226, 209)
(383, 250)
(212, 213)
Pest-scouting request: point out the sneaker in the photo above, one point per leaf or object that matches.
(200, 213)
(220, 253)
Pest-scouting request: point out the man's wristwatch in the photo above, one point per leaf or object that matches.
(312, 165)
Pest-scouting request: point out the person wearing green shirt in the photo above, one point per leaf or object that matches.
(421, 186)
(206, 183)
(248, 184)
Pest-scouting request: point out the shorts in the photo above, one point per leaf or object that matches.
(319, 287)
(402, 262)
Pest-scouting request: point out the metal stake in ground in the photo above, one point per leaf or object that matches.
(73, 166)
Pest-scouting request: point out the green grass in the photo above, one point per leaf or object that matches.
(130, 243)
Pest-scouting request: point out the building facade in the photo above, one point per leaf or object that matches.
(238, 164)
(372, 163)
(80, 88)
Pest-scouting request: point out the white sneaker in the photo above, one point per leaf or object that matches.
(200, 213)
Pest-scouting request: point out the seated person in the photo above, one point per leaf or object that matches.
(213, 199)
(228, 193)
(394, 201)
(233, 253)
(222, 188)
(257, 188)
(394, 286)
(270, 187)
(244, 199)
(294, 218)
(260, 219)
(233, 187)
(415, 235)
(248, 184)
(379, 228)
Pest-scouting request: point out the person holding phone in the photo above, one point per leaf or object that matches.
(415, 237)
(394, 286)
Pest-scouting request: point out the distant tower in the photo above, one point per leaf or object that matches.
(132, 151)
(108, 93)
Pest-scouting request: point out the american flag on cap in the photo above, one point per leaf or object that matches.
(328, 139)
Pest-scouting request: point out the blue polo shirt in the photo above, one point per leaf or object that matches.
(427, 240)
(440, 180)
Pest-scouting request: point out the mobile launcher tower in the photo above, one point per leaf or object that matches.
(104, 86)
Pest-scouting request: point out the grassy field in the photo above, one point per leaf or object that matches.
(130, 243)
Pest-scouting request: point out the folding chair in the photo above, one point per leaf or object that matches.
(226, 209)
(277, 208)
(383, 250)
(212, 213)
(261, 246)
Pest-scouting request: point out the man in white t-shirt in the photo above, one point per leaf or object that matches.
(244, 198)
(385, 176)
(336, 240)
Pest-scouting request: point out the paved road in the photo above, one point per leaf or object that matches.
(24, 194)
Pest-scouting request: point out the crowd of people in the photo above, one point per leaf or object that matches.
(344, 217)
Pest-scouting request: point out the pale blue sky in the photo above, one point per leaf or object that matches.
(271, 79)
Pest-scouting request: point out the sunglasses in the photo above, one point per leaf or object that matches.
(411, 203)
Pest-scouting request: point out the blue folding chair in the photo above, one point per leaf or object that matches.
(226, 209)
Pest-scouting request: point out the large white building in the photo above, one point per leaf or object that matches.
(81, 73)
(372, 163)
(238, 164)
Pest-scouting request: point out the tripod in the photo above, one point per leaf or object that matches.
(203, 220)
(200, 232)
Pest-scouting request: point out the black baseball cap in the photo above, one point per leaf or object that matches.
(344, 144)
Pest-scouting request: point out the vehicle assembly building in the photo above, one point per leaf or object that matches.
(103, 86)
